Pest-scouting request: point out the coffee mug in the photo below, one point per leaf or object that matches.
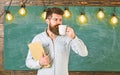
(62, 29)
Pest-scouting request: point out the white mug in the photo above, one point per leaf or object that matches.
(62, 29)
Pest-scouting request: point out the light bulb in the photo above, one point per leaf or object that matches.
(43, 15)
(22, 11)
(9, 17)
(113, 20)
(82, 18)
(100, 14)
(67, 13)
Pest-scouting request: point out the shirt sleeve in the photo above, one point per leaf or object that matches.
(31, 63)
(79, 47)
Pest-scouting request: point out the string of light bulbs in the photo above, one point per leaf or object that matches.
(2, 13)
(9, 16)
(67, 14)
(22, 11)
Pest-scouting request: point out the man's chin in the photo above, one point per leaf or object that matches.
(56, 33)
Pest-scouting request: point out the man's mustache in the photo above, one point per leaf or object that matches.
(56, 26)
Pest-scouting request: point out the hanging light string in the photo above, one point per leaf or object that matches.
(44, 5)
(2, 12)
(9, 5)
(24, 2)
(114, 10)
(67, 5)
(7, 10)
(83, 7)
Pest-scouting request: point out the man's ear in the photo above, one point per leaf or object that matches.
(47, 21)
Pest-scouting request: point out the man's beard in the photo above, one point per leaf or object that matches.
(54, 29)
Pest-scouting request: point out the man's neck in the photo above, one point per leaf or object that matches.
(50, 34)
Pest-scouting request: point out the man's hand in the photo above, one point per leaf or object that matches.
(44, 60)
(70, 32)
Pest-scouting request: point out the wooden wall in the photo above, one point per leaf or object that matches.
(8, 72)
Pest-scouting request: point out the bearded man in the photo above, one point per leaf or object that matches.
(56, 46)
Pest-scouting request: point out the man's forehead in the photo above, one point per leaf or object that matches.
(56, 15)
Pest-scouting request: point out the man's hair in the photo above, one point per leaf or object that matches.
(55, 10)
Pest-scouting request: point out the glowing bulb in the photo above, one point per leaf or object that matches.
(22, 11)
(67, 13)
(82, 18)
(9, 17)
(113, 20)
(43, 15)
(100, 14)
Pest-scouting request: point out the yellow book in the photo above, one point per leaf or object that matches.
(36, 50)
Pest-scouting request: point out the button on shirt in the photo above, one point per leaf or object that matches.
(58, 51)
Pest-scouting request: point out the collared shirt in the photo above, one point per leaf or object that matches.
(58, 51)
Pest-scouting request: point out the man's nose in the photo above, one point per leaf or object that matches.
(59, 22)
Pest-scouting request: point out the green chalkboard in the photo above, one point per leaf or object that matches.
(101, 39)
